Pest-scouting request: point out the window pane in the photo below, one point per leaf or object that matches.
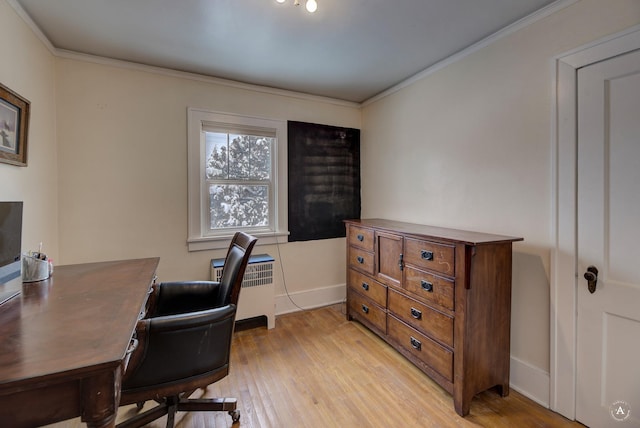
(234, 205)
(217, 162)
(239, 157)
(261, 158)
(249, 157)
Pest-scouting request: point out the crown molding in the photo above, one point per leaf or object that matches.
(62, 53)
(516, 26)
(510, 29)
(32, 25)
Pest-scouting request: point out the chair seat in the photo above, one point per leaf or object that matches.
(185, 342)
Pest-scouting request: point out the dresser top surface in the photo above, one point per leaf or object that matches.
(440, 233)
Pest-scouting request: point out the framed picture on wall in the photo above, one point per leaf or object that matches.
(14, 126)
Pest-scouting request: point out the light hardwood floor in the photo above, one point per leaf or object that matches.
(317, 370)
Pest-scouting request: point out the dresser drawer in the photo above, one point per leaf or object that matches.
(368, 287)
(430, 255)
(361, 237)
(361, 259)
(430, 352)
(421, 317)
(365, 309)
(432, 288)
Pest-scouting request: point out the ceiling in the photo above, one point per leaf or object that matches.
(349, 49)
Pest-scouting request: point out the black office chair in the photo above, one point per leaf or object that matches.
(185, 342)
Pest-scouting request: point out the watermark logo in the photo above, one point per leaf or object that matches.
(620, 410)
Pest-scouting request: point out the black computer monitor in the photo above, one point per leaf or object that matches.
(10, 250)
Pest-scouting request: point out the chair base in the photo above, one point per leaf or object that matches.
(171, 405)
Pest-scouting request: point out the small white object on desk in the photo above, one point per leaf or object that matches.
(34, 269)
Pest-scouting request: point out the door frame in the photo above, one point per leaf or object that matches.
(564, 275)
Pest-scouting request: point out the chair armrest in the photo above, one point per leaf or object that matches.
(177, 322)
(177, 347)
(184, 296)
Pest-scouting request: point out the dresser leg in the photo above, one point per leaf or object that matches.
(504, 389)
(462, 406)
(462, 396)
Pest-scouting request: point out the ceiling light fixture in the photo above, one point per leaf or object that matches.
(311, 5)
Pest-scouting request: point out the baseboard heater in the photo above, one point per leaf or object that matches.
(257, 297)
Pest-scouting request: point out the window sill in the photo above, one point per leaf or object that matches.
(222, 242)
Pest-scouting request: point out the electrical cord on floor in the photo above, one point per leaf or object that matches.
(284, 280)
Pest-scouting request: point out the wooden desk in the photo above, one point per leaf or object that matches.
(64, 340)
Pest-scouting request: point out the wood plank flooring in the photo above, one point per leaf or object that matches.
(317, 370)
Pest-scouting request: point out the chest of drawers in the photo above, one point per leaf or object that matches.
(441, 297)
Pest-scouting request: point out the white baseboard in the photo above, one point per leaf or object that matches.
(310, 299)
(530, 381)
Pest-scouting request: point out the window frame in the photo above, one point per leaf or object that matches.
(198, 122)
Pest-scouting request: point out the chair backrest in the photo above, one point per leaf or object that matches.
(235, 265)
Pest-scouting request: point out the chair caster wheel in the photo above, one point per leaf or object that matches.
(235, 415)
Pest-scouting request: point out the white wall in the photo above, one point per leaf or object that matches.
(469, 147)
(27, 68)
(123, 168)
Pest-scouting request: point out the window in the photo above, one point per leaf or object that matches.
(235, 171)
(238, 180)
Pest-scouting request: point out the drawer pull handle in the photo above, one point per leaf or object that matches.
(426, 255)
(365, 286)
(416, 313)
(416, 343)
(427, 286)
(360, 259)
(360, 238)
(365, 309)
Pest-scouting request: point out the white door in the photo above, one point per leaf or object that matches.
(608, 360)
